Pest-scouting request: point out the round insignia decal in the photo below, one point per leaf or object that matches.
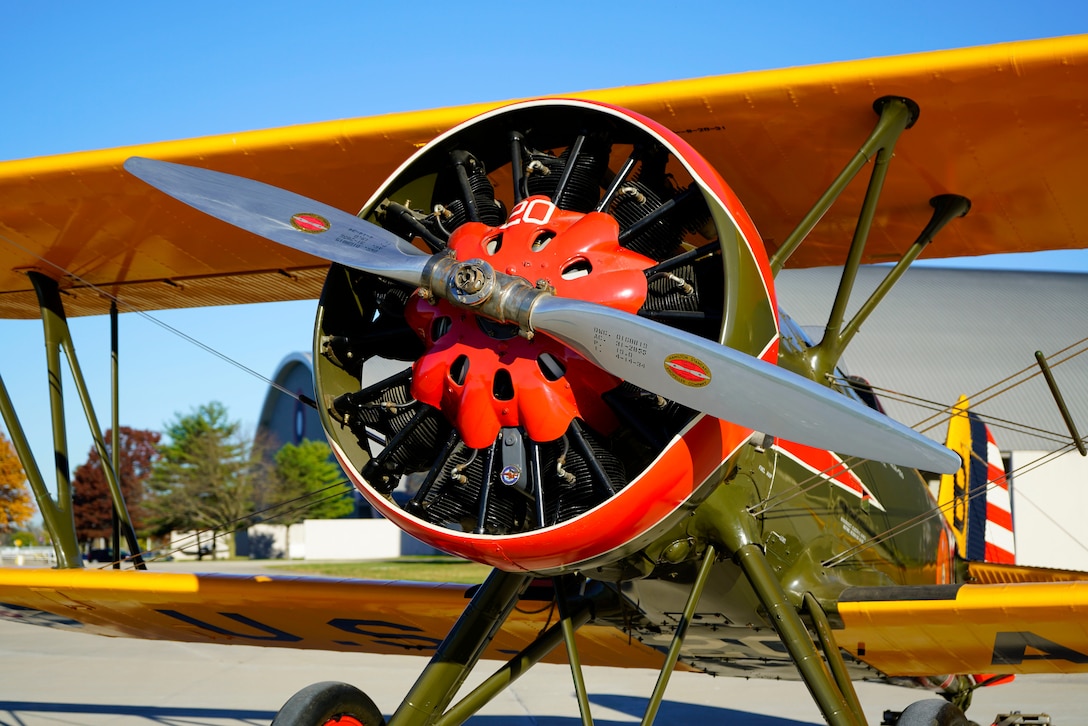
(510, 475)
(688, 370)
(310, 223)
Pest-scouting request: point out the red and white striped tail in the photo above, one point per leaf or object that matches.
(1000, 541)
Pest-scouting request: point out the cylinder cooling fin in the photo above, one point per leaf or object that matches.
(510, 448)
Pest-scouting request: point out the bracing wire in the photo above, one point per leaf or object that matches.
(998, 388)
(128, 307)
(924, 517)
(268, 514)
(942, 413)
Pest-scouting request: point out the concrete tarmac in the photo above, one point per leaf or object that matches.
(54, 678)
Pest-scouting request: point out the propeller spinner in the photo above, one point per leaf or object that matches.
(652, 290)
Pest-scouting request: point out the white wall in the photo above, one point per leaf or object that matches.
(184, 545)
(1050, 510)
(358, 539)
(284, 538)
(28, 557)
(318, 539)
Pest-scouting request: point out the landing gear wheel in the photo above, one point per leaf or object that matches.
(933, 712)
(329, 704)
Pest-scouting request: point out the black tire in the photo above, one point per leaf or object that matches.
(329, 703)
(933, 712)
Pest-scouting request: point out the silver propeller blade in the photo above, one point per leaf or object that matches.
(285, 217)
(733, 386)
(692, 371)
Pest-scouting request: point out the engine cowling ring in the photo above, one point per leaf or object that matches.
(517, 452)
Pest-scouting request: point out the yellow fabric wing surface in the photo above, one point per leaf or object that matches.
(1002, 125)
(292, 612)
(1014, 627)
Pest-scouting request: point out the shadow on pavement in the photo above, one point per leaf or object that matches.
(15, 713)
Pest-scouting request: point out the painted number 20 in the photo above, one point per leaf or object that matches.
(534, 210)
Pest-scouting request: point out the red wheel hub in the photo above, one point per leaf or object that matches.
(344, 720)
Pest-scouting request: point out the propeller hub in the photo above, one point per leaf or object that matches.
(476, 369)
(472, 282)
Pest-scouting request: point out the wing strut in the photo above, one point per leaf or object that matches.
(517, 666)
(896, 116)
(825, 356)
(57, 513)
(1060, 400)
(573, 658)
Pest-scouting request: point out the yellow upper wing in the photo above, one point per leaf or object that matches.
(1003, 125)
(292, 612)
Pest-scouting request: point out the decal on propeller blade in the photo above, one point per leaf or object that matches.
(688, 370)
(309, 223)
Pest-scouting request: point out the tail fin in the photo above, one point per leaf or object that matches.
(977, 500)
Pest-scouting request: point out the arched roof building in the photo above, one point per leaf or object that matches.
(285, 419)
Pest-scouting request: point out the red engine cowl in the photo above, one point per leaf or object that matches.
(513, 450)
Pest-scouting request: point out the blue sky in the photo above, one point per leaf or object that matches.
(90, 75)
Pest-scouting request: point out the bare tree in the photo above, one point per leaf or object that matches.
(92, 504)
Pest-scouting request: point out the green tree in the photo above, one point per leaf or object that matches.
(91, 500)
(308, 484)
(204, 478)
(25, 538)
(16, 504)
(307, 471)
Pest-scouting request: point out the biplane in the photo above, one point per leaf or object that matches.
(601, 400)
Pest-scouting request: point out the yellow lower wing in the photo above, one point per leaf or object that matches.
(1012, 626)
(293, 612)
